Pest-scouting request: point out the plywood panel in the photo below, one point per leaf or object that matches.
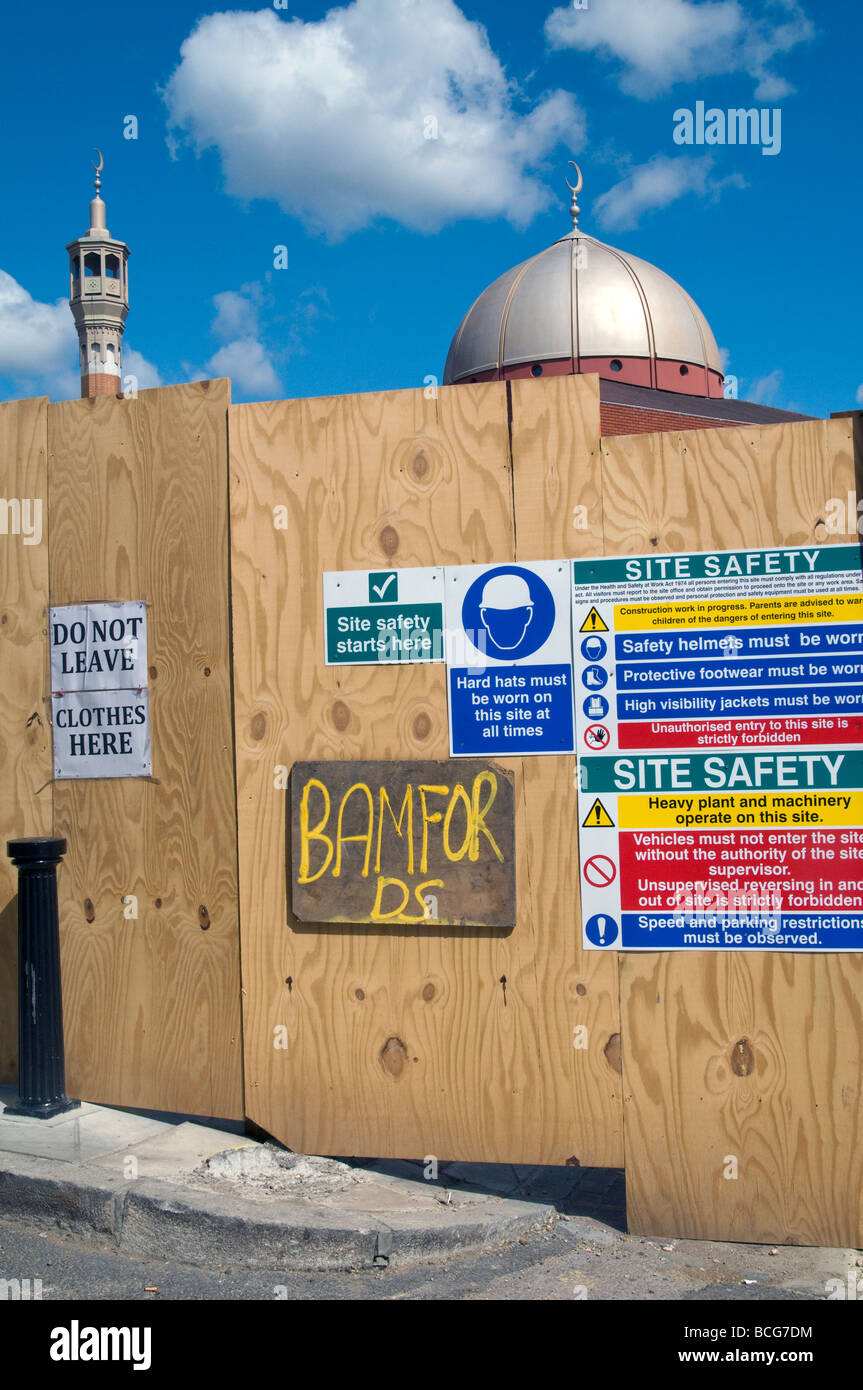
(557, 488)
(138, 506)
(25, 751)
(400, 1041)
(748, 1065)
(756, 1057)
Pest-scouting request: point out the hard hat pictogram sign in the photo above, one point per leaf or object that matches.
(508, 612)
(509, 659)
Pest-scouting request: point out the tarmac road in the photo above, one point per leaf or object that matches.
(577, 1259)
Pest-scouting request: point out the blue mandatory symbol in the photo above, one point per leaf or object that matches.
(508, 613)
(595, 707)
(601, 931)
(593, 648)
(594, 677)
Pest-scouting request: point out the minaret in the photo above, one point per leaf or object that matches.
(99, 300)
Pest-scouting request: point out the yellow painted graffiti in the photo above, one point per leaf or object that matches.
(451, 819)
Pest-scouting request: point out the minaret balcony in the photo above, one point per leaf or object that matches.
(102, 284)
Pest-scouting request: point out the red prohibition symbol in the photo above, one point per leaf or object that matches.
(600, 871)
(596, 736)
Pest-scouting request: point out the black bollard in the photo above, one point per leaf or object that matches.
(41, 1060)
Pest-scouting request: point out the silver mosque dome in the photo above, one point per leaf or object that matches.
(583, 306)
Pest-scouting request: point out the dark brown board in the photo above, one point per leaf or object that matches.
(403, 843)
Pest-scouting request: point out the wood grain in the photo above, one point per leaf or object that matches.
(138, 506)
(750, 1058)
(25, 739)
(754, 1057)
(557, 489)
(400, 1042)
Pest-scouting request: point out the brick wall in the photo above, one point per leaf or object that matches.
(100, 384)
(628, 419)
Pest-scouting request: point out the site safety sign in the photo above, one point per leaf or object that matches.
(719, 715)
(383, 617)
(509, 659)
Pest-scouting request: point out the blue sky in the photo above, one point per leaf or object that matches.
(407, 152)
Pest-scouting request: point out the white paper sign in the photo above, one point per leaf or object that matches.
(99, 646)
(99, 694)
(102, 733)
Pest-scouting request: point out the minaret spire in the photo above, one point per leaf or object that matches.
(97, 207)
(99, 298)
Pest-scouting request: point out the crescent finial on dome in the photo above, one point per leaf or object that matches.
(574, 189)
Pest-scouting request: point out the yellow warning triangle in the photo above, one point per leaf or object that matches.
(597, 816)
(593, 623)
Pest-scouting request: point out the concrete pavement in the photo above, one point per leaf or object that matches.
(197, 1193)
(186, 1197)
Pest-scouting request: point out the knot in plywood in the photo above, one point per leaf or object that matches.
(341, 715)
(389, 541)
(422, 461)
(742, 1058)
(393, 1056)
(422, 725)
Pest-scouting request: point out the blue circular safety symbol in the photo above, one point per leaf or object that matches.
(601, 930)
(595, 707)
(594, 648)
(508, 613)
(594, 677)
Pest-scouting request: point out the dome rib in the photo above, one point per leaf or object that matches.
(639, 289)
(501, 340)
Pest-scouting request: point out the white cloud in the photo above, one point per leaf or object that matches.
(656, 184)
(247, 362)
(859, 396)
(135, 364)
(38, 342)
(766, 389)
(236, 314)
(661, 42)
(244, 355)
(331, 119)
(311, 307)
(39, 346)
